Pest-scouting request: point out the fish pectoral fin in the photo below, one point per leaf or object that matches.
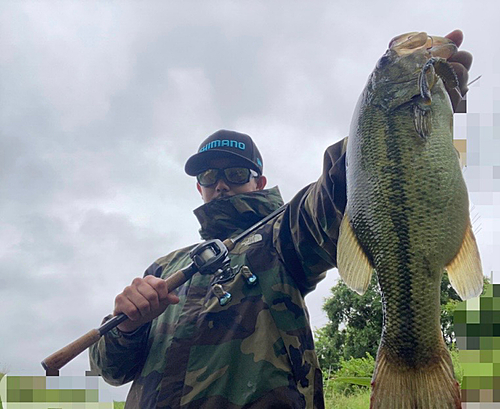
(421, 119)
(465, 271)
(353, 265)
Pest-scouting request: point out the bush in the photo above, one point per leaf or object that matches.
(353, 376)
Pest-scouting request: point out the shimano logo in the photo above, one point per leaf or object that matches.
(223, 142)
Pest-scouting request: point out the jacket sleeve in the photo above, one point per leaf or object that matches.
(306, 235)
(118, 357)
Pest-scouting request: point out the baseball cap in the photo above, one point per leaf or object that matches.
(225, 144)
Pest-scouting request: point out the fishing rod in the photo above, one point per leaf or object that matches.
(207, 258)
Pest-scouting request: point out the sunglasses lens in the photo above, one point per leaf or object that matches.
(238, 176)
(209, 177)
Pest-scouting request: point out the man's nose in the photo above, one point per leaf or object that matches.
(221, 185)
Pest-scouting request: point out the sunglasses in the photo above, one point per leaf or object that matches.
(235, 176)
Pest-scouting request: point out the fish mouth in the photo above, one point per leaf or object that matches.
(409, 43)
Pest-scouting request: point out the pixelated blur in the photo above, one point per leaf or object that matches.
(477, 329)
(477, 321)
(54, 392)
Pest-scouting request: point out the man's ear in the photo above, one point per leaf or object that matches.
(261, 182)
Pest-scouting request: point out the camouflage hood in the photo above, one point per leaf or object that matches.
(224, 218)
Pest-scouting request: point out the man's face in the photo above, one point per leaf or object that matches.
(222, 188)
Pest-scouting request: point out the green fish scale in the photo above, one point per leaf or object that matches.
(408, 206)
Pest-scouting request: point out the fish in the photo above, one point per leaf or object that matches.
(407, 219)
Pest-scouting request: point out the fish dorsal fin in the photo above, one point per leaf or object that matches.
(465, 271)
(352, 263)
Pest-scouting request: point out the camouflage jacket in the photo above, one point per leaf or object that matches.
(256, 351)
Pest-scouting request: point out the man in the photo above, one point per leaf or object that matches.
(241, 339)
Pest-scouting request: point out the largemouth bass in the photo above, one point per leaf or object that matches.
(407, 219)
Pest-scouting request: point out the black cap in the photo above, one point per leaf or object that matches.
(225, 144)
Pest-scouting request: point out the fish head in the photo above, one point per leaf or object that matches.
(395, 78)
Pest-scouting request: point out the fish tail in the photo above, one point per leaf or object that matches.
(400, 387)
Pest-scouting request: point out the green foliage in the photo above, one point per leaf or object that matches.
(355, 323)
(457, 366)
(328, 344)
(356, 380)
(118, 405)
(357, 367)
(354, 375)
(357, 400)
(1, 376)
(449, 302)
(349, 387)
(354, 327)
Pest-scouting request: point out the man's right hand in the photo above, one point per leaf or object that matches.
(142, 301)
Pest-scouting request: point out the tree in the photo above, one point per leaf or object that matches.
(355, 323)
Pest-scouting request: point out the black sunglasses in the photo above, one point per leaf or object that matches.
(235, 176)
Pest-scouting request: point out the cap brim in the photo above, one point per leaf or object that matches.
(201, 161)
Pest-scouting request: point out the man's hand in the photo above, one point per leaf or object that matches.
(142, 301)
(461, 62)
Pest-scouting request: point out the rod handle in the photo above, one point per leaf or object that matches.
(180, 277)
(229, 244)
(174, 281)
(60, 358)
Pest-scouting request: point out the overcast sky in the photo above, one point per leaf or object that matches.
(101, 103)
